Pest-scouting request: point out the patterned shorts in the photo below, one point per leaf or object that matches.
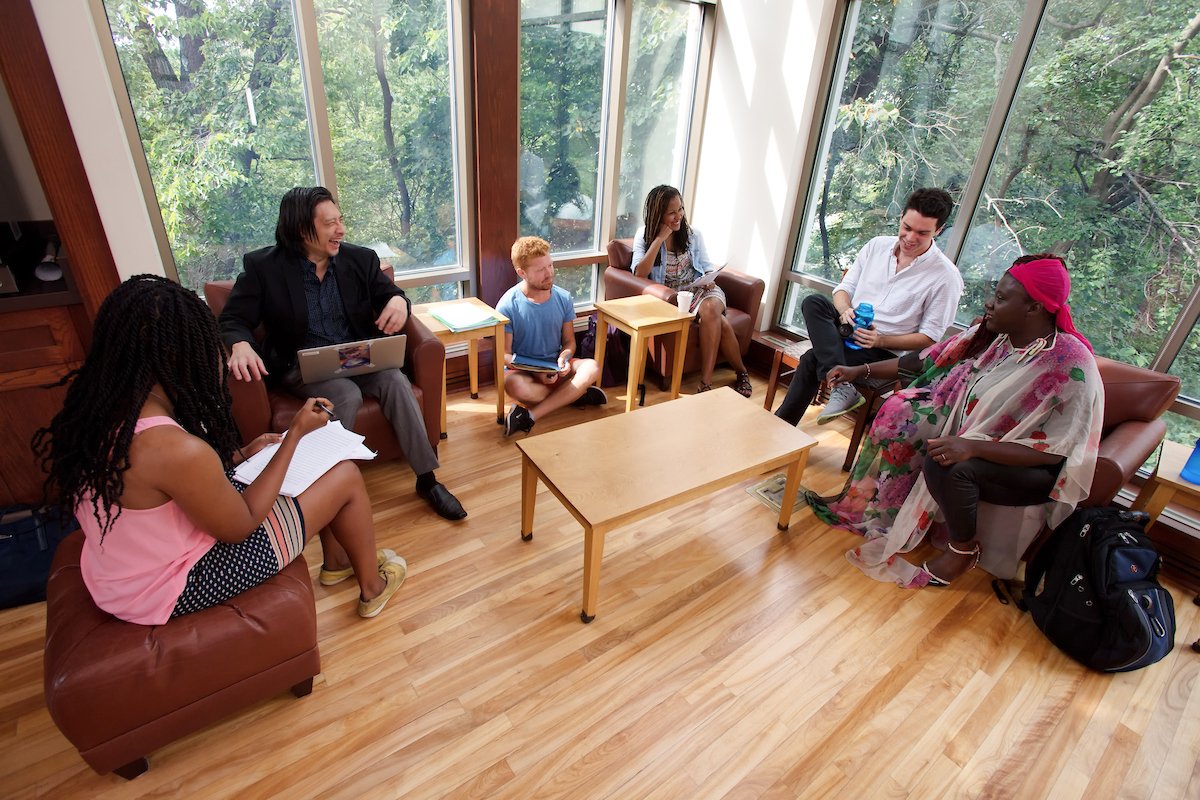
(229, 569)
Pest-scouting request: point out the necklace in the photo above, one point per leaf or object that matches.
(161, 399)
(1030, 350)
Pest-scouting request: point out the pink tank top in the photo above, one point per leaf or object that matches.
(142, 567)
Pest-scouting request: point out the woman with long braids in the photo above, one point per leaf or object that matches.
(1007, 412)
(669, 251)
(143, 450)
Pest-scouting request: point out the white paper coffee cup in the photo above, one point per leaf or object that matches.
(684, 300)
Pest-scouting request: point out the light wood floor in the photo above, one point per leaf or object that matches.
(727, 660)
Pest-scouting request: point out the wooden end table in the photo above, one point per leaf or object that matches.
(589, 467)
(1166, 481)
(643, 317)
(786, 353)
(471, 336)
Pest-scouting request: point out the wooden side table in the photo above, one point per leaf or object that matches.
(1166, 481)
(471, 336)
(786, 354)
(643, 317)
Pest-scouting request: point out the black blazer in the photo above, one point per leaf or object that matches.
(270, 292)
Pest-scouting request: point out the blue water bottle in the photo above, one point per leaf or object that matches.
(864, 315)
(1191, 470)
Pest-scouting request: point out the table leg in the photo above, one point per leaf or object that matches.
(773, 381)
(601, 343)
(680, 351)
(498, 362)
(790, 490)
(1153, 498)
(473, 366)
(593, 552)
(528, 497)
(443, 433)
(637, 365)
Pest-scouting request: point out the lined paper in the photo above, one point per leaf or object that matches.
(315, 455)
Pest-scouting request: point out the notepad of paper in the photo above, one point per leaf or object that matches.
(705, 279)
(315, 455)
(463, 316)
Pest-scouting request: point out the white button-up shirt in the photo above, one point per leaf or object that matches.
(921, 298)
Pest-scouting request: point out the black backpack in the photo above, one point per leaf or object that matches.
(1092, 590)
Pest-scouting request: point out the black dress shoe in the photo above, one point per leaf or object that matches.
(441, 501)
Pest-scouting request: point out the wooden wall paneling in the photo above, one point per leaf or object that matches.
(22, 412)
(39, 346)
(47, 129)
(35, 341)
(495, 44)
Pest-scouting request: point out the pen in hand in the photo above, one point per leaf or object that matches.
(327, 410)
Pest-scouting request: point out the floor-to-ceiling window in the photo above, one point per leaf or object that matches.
(386, 68)
(1068, 126)
(217, 91)
(664, 52)
(564, 61)
(232, 110)
(592, 69)
(236, 101)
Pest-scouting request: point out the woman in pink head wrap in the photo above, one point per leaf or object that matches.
(1007, 412)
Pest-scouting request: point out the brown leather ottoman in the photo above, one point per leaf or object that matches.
(118, 690)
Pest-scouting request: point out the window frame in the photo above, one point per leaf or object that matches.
(1006, 91)
(467, 272)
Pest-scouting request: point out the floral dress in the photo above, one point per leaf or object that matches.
(1051, 400)
(678, 272)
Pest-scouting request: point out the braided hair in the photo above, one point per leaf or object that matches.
(652, 215)
(149, 330)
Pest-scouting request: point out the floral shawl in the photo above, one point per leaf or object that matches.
(1052, 401)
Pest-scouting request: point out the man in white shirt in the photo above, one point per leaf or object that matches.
(914, 289)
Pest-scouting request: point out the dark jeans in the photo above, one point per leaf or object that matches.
(959, 487)
(828, 351)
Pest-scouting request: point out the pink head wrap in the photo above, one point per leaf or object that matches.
(1047, 282)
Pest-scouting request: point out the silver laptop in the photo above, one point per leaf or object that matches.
(351, 358)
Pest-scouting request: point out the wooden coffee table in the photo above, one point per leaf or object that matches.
(471, 337)
(681, 450)
(643, 317)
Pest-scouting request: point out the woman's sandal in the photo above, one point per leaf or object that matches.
(704, 387)
(934, 580)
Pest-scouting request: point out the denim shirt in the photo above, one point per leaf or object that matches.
(700, 260)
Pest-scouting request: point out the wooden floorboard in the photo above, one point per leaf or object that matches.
(728, 660)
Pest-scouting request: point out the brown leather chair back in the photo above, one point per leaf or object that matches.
(1133, 393)
(620, 253)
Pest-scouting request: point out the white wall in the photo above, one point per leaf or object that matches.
(69, 31)
(764, 90)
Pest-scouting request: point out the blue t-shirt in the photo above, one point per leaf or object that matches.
(536, 328)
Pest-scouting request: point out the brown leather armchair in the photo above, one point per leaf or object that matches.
(119, 691)
(1134, 402)
(257, 410)
(743, 293)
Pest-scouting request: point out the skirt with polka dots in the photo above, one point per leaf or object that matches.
(228, 569)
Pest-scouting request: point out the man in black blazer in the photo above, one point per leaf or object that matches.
(313, 289)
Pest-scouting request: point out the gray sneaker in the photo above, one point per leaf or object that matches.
(842, 400)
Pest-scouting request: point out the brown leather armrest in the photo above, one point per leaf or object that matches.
(658, 290)
(426, 358)
(743, 292)
(622, 283)
(1122, 451)
(251, 408)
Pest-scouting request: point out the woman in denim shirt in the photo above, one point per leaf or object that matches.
(674, 256)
